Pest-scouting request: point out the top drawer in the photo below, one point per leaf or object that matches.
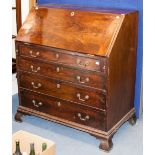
(64, 57)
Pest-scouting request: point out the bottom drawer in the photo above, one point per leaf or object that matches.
(63, 109)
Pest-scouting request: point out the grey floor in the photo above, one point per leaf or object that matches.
(127, 141)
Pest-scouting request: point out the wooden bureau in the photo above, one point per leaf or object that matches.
(76, 66)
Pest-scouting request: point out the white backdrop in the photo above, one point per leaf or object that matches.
(25, 11)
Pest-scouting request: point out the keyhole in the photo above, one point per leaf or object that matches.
(72, 14)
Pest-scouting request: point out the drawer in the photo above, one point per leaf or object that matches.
(64, 90)
(58, 71)
(63, 109)
(61, 56)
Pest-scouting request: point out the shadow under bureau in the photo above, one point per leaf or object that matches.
(76, 66)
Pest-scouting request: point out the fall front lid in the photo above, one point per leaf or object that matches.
(86, 31)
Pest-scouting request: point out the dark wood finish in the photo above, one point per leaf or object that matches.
(108, 37)
(62, 109)
(18, 117)
(62, 28)
(106, 144)
(63, 72)
(97, 133)
(13, 65)
(13, 8)
(60, 56)
(122, 70)
(61, 89)
(133, 120)
(13, 36)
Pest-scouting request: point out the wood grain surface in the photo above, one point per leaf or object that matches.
(64, 90)
(81, 31)
(77, 67)
(63, 109)
(96, 80)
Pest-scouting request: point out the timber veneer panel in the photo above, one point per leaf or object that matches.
(76, 66)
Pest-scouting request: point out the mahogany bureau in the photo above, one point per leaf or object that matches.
(76, 66)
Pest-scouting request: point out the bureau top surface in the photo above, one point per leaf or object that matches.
(88, 8)
(90, 31)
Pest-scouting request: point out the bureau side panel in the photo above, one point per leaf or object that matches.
(122, 71)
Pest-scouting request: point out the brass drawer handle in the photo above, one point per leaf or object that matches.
(80, 81)
(79, 62)
(37, 104)
(79, 97)
(34, 56)
(35, 70)
(83, 118)
(57, 56)
(57, 69)
(59, 104)
(36, 87)
(58, 86)
(104, 67)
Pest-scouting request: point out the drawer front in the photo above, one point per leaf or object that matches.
(64, 90)
(63, 109)
(84, 77)
(52, 54)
